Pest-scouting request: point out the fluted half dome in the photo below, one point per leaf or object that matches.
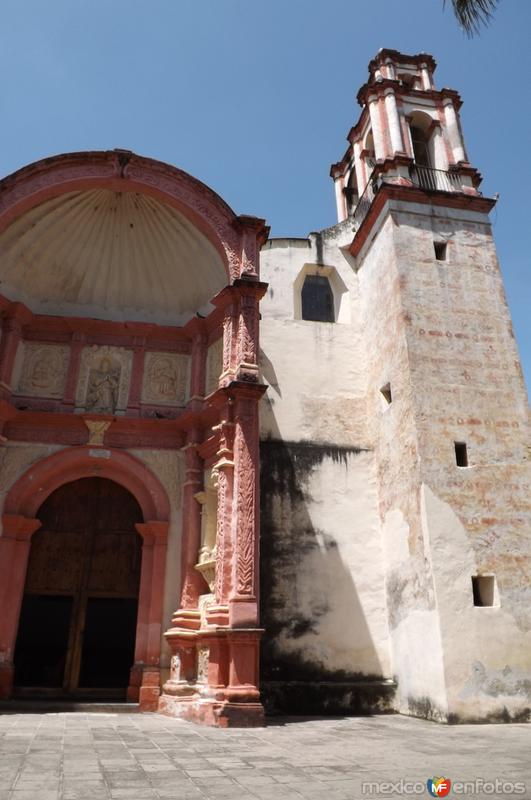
(110, 255)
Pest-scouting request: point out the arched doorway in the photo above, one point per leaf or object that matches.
(76, 635)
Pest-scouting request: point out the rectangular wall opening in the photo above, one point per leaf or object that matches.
(484, 590)
(440, 250)
(461, 454)
(386, 393)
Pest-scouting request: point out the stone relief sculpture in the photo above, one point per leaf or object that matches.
(165, 379)
(103, 383)
(104, 377)
(96, 431)
(43, 370)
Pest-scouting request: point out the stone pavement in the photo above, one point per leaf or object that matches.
(95, 756)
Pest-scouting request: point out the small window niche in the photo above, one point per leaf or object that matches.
(440, 249)
(387, 396)
(317, 299)
(485, 591)
(461, 454)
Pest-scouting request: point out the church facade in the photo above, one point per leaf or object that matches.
(240, 473)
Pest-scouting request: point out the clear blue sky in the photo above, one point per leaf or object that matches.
(256, 98)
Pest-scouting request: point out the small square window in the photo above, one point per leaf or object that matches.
(440, 250)
(461, 454)
(385, 391)
(485, 591)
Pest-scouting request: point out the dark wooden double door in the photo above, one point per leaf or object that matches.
(77, 627)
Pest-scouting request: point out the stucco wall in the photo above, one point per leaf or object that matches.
(440, 332)
(371, 533)
(468, 387)
(323, 599)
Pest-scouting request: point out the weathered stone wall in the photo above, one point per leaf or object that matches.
(413, 618)
(468, 387)
(440, 332)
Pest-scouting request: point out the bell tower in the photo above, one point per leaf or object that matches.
(408, 133)
(447, 406)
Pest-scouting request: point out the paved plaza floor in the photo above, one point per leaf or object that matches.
(95, 756)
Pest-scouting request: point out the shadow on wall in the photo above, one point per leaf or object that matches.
(315, 625)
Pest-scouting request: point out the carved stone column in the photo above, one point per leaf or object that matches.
(230, 338)
(76, 348)
(14, 551)
(11, 335)
(250, 294)
(192, 583)
(197, 381)
(224, 473)
(243, 600)
(137, 375)
(144, 684)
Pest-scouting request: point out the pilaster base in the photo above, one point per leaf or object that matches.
(214, 677)
(144, 687)
(212, 712)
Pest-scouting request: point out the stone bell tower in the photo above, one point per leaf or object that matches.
(447, 406)
(407, 127)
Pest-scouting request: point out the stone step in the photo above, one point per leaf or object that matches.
(65, 706)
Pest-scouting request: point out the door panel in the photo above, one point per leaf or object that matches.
(108, 642)
(115, 564)
(55, 563)
(44, 628)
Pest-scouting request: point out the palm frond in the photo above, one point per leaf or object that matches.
(472, 14)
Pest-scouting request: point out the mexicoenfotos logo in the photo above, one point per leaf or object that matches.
(439, 787)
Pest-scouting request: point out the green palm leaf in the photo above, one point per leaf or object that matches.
(472, 14)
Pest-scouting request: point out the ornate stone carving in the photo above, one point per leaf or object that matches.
(227, 342)
(104, 377)
(165, 379)
(214, 366)
(96, 431)
(202, 664)
(222, 485)
(43, 372)
(246, 508)
(175, 668)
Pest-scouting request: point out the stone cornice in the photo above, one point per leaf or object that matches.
(414, 194)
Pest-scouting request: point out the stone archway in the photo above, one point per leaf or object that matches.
(19, 523)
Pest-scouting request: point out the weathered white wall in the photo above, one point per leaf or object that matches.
(371, 533)
(323, 595)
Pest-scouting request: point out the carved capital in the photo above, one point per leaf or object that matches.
(18, 527)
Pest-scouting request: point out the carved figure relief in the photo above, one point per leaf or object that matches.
(103, 383)
(104, 376)
(214, 366)
(43, 371)
(202, 664)
(175, 668)
(165, 379)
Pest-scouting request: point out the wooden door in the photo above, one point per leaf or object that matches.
(77, 626)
